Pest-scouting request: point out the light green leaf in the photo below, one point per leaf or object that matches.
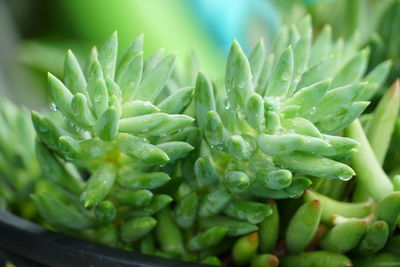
(281, 76)
(108, 56)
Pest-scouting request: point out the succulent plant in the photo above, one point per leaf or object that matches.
(107, 125)
(385, 43)
(274, 122)
(19, 170)
(131, 168)
(377, 28)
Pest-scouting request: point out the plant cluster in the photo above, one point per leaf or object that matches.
(19, 169)
(377, 28)
(251, 171)
(385, 44)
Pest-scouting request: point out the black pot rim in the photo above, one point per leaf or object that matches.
(33, 242)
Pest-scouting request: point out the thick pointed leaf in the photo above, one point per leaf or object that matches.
(203, 99)
(108, 56)
(281, 76)
(74, 77)
(154, 82)
(238, 77)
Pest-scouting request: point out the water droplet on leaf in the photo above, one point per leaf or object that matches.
(97, 98)
(53, 106)
(286, 76)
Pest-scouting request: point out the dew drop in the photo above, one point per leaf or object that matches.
(240, 114)
(297, 79)
(53, 106)
(344, 177)
(83, 196)
(79, 129)
(97, 98)
(220, 147)
(286, 76)
(226, 102)
(43, 129)
(68, 155)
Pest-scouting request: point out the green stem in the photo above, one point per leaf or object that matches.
(383, 122)
(369, 171)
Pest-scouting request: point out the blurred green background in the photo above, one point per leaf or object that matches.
(35, 34)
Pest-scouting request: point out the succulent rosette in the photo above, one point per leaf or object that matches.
(277, 120)
(107, 125)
